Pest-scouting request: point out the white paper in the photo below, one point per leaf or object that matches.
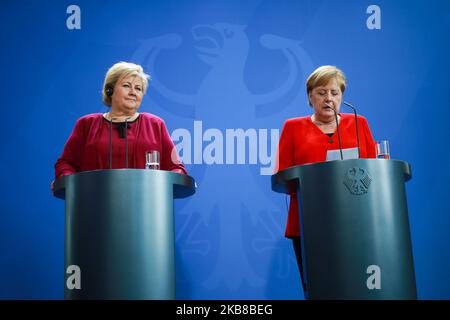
(350, 153)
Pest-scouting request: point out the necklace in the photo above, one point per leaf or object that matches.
(320, 123)
(108, 117)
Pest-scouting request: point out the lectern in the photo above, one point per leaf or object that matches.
(119, 233)
(354, 228)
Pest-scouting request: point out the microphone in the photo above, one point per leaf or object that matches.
(110, 142)
(337, 128)
(356, 124)
(126, 142)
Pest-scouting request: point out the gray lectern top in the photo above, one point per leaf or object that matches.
(286, 181)
(183, 185)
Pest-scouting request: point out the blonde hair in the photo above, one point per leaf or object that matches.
(322, 75)
(120, 71)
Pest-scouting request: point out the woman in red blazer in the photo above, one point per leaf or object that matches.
(309, 139)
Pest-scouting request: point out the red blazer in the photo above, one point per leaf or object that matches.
(88, 146)
(302, 142)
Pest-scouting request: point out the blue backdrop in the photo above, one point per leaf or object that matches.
(219, 66)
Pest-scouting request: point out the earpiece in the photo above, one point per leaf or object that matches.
(109, 91)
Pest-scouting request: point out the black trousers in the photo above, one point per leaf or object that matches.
(296, 243)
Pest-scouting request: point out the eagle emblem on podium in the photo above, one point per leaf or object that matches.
(357, 180)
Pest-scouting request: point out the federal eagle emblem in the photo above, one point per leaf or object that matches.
(357, 180)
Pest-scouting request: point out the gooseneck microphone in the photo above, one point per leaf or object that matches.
(126, 142)
(356, 124)
(123, 133)
(337, 128)
(110, 142)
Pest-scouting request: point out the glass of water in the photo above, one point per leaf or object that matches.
(383, 150)
(152, 160)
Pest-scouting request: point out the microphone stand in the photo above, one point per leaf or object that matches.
(356, 124)
(110, 142)
(126, 142)
(338, 132)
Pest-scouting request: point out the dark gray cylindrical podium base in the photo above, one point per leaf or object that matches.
(120, 233)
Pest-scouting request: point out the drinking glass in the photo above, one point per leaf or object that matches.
(383, 149)
(152, 160)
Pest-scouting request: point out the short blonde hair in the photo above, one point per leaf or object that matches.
(322, 75)
(120, 71)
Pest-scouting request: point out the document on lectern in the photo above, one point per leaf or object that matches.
(350, 153)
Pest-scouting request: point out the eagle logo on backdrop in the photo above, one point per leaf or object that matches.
(239, 216)
(357, 180)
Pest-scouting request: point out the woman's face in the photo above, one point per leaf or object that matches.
(322, 97)
(127, 95)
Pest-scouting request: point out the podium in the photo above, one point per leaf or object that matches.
(119, 232)
(355, 233)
